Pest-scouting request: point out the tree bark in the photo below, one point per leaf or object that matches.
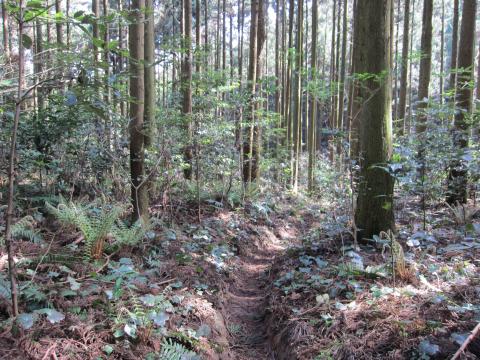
(297, 97)
(137, 108)
(187, 87)
(374, 212)
(6, 30)
(313, 99)
(11, 164)
(454, 56)
(402, 105)
(149, 69)
(425, 66)
(457, 180)
(59, 24)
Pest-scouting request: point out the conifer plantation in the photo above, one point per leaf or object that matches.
(239, 179)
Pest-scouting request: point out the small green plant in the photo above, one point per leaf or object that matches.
(25, 229)
(96, 225)
(462, 213)
(172, 350)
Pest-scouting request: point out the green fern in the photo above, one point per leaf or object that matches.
(172, 350)
(95, 225)
(25, 229)
(129, 236)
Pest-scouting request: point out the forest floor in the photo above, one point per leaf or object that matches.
(278, 279)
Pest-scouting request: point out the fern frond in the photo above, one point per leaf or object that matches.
(24, 229)
(172, 350)
(129, 236)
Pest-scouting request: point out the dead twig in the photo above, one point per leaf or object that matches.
(47, 353)
(467, 341)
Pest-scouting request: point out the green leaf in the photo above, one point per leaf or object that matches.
(113, 44)
(26, 320)
(53, 315)
(78, 14)
(159, 319)
(74, 285)
(108, 349)
(99, 43)
(26, 41)
(130, 330)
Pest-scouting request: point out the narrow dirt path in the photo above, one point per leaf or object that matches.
(246, 303)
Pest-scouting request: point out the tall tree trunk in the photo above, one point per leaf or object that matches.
(257, 37)
(343, 65)
(248, 149)
(297, 97)
(425, 67)
(454, 56)
(137, 95)
(402, 105)
(11, 164)
(396, 19)
(38, 62)
(6, 31)
(149, 72)
(240, 50)
(333, 70)
(457, 180)
(95, 34)
(288, 88)
(224, 37)
(67, 13)
(313, 100)
(410, 74)
(198, 44)
(374, 212)
(442, 48)
(59, 24)
(187, 86)
(106, 61)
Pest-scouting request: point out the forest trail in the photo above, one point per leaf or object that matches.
(246, 304)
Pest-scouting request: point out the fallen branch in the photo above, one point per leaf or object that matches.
(467, 341)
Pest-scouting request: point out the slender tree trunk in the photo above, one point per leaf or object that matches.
(106, 60)
(313, 100)
(12, 165)
(205, 24)
(394, 26)
(277, 58)
(224, 37)
(149, 69)
(38, 63)
(120, 57)
(137, 95)
(251, 150)
(333, 70)
(67, 13)
(198, 44)
(457, 180)
(95, 33)
(297, 97)
(288, 88)
(402, 106)
(374, 212)
(59, 24)
(425, 67)
(453, 59)
(410, 74)
(341, 95)
(248, 149)
(442, 47)
(187, 86)
(6, 30)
